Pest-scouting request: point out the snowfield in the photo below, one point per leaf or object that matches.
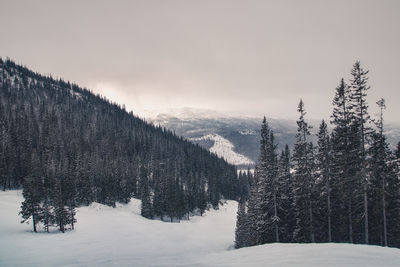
(223, 148)
(106, 236)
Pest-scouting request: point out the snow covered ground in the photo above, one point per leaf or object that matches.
(119, 236)
(224, 148)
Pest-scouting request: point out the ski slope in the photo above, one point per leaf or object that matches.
(224, 148)
(106, 236)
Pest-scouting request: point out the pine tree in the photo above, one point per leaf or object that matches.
(360, 118)
(275, 185)
(344, 165)
(253, 211)
(324, 172)
(303, 181)
(383, 181)
(61, 216)
(263, 204)
(287, 222)
(241, 231)
(268, 223)
(146, 209)
(392, 200)
(244, 184)
(71, 194)
(31, 206)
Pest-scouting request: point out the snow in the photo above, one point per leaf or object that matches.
(224, 149)
(106, 236)
(183, 113)
(247, 132)
(113, 236)
(306, 255)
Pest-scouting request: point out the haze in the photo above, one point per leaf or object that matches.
(238, 57)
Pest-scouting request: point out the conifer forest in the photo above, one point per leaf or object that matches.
(345, 188)
(67, 147)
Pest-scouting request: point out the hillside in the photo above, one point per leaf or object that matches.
(119, 236)
(69, 147)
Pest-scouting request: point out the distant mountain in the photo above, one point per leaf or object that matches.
(235, 138)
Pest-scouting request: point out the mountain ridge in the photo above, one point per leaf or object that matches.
(242, 131)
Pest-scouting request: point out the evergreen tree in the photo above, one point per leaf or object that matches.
(323, 168)
(264, 205)
(253, 211)
(268, 223)
(345, 189)
(61, 216)
(360, 118)
(384, 186)
(146, 209)
(241, 231)
(31, 206)
(303, 181)
(287, 222)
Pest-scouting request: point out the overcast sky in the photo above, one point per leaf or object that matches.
(240, 57)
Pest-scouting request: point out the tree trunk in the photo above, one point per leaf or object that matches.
(62, 227)
(34, 223)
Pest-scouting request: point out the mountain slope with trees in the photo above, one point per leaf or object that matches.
(68, 147)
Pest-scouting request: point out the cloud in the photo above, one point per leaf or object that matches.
(251, 57)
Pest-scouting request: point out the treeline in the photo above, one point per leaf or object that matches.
(68, 147)
(346, 188)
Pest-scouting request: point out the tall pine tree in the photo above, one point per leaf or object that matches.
(323, 168)
(360, 119)
(303, 181)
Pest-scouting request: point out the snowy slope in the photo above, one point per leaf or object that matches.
(118, 236)
(224, 149)
(106, 236)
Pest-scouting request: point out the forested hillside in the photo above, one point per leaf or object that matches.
(68, 147)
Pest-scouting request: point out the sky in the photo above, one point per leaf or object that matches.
(238, 57)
